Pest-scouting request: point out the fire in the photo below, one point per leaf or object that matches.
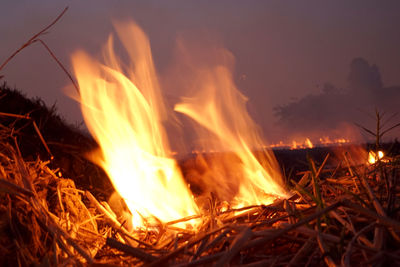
(301, 145)
(294, 144)
(373, 157)
(223, 124)
(124, 111)
(307, 143)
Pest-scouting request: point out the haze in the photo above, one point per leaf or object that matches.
(285, 51)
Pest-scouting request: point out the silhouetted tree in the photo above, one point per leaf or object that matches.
(333, 107)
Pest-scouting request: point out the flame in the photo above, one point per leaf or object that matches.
(299, 145)
(294, 144)
(307, 143)
(373, 157)
(223, 124)
(124, 111)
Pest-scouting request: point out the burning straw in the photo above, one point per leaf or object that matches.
(348, 215)
(347, 219)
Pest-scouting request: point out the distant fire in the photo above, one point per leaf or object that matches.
(373, 156)
(124, 111)
(307, 143)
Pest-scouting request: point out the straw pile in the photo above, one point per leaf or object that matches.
(347, 215)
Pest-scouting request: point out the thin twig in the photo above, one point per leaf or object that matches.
(33, 38)
(42, 139)
(61, 66)
(15, 115)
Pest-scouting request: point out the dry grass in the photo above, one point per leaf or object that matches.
(349, 216)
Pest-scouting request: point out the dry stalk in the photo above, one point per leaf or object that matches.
(163, 260)
(34, 39)
(235, 247)
(260, 241)
(298, 231)
(346, 256)
(302, 253)
(325, 251)
(385, 221)
(202, 261)
(15, 115)
(113, 221)
(135, 252)
(11, 188)
(350, 227)
(42, 139)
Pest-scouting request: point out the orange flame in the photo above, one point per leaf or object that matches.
(123, 110)
(373, 156)
(307, 143)
(220, 109)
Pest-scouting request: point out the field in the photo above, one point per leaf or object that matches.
(342, 210)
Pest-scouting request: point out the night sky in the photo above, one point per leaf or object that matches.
(290, 54)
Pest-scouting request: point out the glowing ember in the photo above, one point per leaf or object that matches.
(124, 114)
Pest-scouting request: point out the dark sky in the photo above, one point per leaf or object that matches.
(284, 50)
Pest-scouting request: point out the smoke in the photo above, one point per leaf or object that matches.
(335, 111)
